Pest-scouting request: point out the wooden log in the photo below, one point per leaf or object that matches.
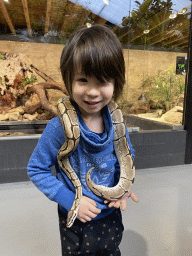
(50, 82)
(26, 12)
(6, 15)
(48, 14)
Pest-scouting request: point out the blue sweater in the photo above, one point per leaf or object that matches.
(94, 150)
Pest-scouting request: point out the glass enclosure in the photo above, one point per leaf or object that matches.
(154, 36)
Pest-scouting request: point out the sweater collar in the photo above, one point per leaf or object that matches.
(94, 141)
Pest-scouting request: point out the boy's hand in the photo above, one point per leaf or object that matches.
(122, 202)
(87, 209)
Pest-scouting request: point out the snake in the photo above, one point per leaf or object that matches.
(69, 120)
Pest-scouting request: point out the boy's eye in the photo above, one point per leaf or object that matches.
(82, 80)
(103, 82)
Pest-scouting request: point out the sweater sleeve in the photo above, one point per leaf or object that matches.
(43, 158)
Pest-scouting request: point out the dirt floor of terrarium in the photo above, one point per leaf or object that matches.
(147, 110)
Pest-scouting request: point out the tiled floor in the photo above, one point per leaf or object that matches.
(159, 225)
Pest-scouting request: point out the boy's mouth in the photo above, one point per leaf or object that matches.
(92, 103)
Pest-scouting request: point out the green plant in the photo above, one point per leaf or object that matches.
(28, 80)
(124, 104)
(2, 56)
(63, 39)
(166, 87)
(47, 112)
(148, 82)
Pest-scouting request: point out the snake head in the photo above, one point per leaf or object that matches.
(71, 216)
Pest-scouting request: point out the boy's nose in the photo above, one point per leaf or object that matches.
(92, 91)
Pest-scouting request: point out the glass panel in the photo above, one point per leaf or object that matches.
(154, 36)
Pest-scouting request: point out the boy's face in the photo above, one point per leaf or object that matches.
(90, 94)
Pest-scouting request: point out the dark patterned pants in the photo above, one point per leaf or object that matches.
(94, 238)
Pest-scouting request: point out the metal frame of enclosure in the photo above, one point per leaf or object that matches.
(187, 117)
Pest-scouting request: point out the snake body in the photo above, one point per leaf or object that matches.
(69, 120)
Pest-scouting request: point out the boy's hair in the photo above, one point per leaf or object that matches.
(94, 51)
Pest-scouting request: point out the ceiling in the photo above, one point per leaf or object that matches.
(52, 21)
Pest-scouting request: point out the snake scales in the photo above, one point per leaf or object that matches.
(69, 120)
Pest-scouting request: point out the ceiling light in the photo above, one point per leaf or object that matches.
(6, 1)
(182, 11)
(146, 31)
(88, 24)
(172, 15)
(106, 2)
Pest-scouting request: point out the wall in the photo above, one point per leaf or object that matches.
(142, 64)
(139, 63)
(45, 57)
(152, 149)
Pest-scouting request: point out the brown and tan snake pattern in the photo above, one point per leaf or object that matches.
(69, 120)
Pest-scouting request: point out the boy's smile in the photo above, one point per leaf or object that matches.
(91, 95)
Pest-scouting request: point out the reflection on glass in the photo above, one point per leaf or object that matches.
(157, 33)
(154, 35)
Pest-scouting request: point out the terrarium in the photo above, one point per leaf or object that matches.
(25, 97)
(154, 37)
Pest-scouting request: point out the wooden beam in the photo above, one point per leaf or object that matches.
(183, 27)
(163, 38)
(6, 15)
(74, 16)
(70, 15)
(26, 12)
(48, 15)
(183, 42)
(177, 40)
(184, 46)
(85, 18)
(66, 15)
(98, 20)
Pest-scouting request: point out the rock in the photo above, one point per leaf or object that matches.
(15, 116)
(7, 99)
(159, 112)
(12, 65)
(176, 109)
(54, 96)
(173, 117)
(30, 117)
(3, 134)
(3, 88)
(4, 117)
(33, 104)
(180, 102)
(18, 109)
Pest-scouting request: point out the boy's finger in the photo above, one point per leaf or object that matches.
(94, 209)
(123, 205)
(111, 204)
(117, 204)
(92, 201)
(134, 198)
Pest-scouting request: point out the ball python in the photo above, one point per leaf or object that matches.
(69, 120)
